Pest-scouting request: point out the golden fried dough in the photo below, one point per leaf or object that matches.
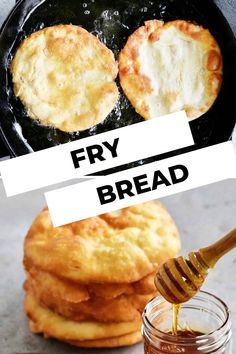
(88, 282)
(168, 67)
(53, 325)
(120, 247)
(145, 285)
(75, 292)
(65, 77)
(121, 309)
(54, 287)
(128, 339)
(109, 290)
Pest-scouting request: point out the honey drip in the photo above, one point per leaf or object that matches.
(181, 332)
(175, 318)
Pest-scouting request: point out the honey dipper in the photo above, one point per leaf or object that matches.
(179, 279)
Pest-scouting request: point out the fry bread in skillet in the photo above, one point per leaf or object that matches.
(65, 77)
(168, 67)
(55, 326)
(119, 247)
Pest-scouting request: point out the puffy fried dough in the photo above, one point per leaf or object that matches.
(65, 77)
(128, 339)
(121, 309)
(131, 243)
(145, 285)
(54, 287)
(73, 292)
(109, 291)
(168, 67)
(55, 326)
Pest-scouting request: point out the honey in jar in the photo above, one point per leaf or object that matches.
(167, 348)
(203, 327)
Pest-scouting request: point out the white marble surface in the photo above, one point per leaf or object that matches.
(202, 215)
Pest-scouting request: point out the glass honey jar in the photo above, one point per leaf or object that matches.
(204, 327)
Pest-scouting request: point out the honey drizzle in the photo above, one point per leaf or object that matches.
(175, 318)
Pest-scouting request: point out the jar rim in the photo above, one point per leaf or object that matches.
(204, 337)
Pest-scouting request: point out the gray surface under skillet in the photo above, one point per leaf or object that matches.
(201, 215)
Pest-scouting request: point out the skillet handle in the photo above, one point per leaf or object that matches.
(4, 153)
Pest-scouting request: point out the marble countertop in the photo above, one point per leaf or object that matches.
(202, 215)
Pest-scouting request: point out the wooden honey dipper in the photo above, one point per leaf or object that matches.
(179, 279)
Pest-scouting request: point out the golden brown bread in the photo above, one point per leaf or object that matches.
(120, 247)
(88, 282)
(65, 77)
(123, 308)
(168, 67)
(73, 292)
(53, 325)
(121, 341)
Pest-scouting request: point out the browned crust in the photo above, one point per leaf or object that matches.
(62, 52)
(42, 320)
(125, 242)
(73, 292)
(121, 309)
(137, 86)
(122, 341)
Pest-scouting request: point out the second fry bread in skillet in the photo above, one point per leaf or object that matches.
(172, 66)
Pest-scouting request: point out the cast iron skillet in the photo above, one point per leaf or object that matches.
(112, 22)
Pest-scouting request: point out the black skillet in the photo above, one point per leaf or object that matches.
(112, 22)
